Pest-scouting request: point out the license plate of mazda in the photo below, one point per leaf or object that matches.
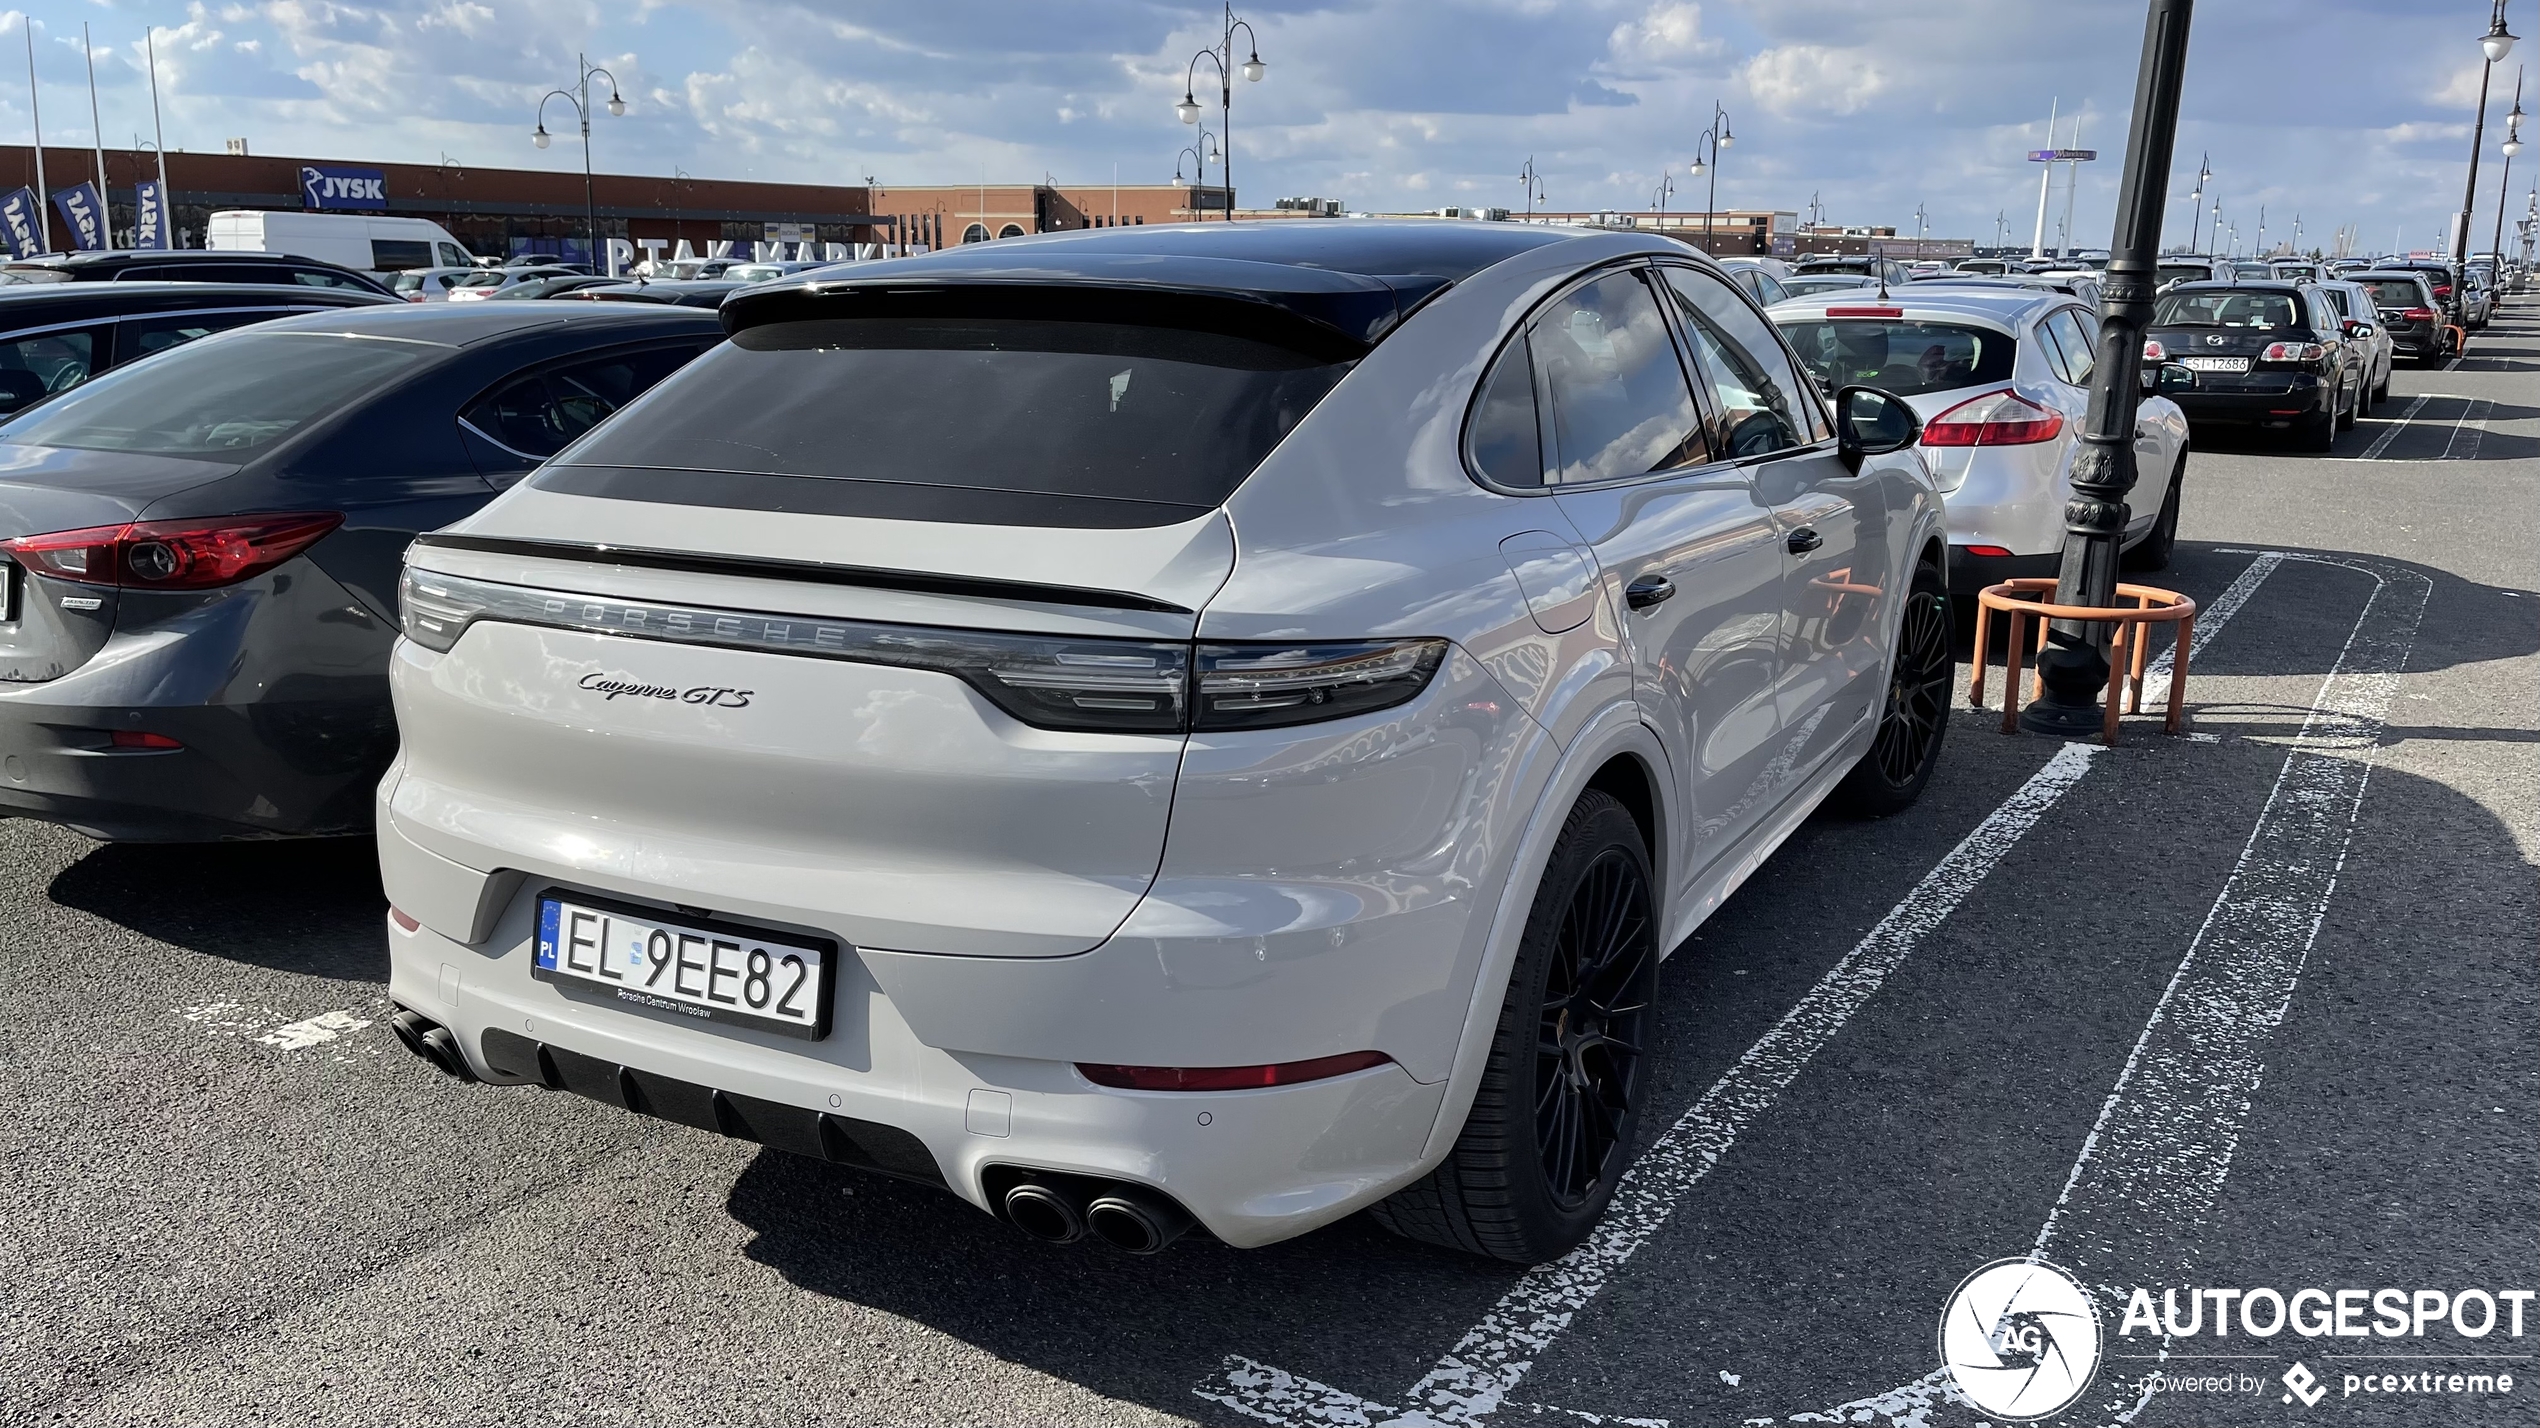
(709, 971)
(2215, 364)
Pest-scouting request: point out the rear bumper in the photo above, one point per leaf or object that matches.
(2305, 396)
(271, 770)
(1251, 1166)
(1971, 573)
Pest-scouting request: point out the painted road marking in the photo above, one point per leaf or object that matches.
(2473, 423)
(2156, 1160)
(2393, 426)
(1476, 1376)
(2209, 623)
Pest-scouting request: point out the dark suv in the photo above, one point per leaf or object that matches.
(2272, 355)
(2409, 313)
(55, 336)
(187, 266)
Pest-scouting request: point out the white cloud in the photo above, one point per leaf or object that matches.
(1670, 33)
(1814, 79)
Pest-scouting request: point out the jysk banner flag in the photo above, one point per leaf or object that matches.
(84, 209)
(21, 215)
(149, 216)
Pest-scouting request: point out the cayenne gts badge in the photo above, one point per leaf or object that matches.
(610, 686)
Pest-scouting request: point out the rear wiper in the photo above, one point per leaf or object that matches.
(2187, 324)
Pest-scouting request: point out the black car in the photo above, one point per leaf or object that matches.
(55, 336)
(161, 265)
(2270, 355)
(200, 553)
(2409, 313)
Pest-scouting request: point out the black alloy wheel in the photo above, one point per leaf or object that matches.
(1916, 717)
(1551, 1128)
(1588, 1041)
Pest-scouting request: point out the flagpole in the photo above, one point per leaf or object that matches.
(97, 132)
(159, 141)
(43, 219)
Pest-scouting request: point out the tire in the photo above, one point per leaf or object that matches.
(2348, 411)
(1549, 1136)
(2153, 551)
(2381, 393)
(2318, 431)
(1921, 671)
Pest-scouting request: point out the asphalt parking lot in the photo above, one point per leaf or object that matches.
(2250, 1008)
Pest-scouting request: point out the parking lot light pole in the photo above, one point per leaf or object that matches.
(2495, 44)
(580, 98)
(2196, 200)
(1223, 56)
(2074, 665)
(1717, 137)
(2505, 185)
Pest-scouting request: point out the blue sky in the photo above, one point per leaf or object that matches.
(2340, 111)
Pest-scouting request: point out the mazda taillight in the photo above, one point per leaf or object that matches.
(2003, 418)
(2299, 353)
(195, 554)
(2153, 351)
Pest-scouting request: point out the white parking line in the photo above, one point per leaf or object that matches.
(2209, 623)
(2153, 1166)
(1476, 1376)
(2382, 442)
(2473, 423)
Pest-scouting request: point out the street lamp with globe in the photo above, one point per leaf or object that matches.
(1717, 137)
(1223, 57)
(2495, 44)
(580, 98)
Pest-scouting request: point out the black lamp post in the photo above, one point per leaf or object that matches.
(580, 98)
(2504, 185)
(1534, 187)
(1224, 58)
(2074, 665)
(1718, 137)
(2196, 200)
(1658, 198)
(2495, 44)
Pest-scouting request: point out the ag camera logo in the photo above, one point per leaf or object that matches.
(2021, 1337)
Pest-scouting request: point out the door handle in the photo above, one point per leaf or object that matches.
(1804, 540)
(1649, 591)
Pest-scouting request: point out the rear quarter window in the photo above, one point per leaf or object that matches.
(1907, 358)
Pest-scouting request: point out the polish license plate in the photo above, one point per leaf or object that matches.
(2215, 364)
(708, 971)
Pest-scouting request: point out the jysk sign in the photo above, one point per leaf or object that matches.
(339, 186)
(150, 216)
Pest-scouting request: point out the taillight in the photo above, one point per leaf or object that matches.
(2294, 352)
(196, 554)
(1097, 685)
(1230, 1078)
(2153, 351)
(2419, 314)
(2002, 418)
(2442, 290)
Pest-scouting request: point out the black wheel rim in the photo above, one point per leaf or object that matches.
(1917, 692)
(1587, 1048)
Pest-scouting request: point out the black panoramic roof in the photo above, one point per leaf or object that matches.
(1333, 284)
(127, 257)
(22, 303)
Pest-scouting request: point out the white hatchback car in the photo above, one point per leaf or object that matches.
(1204, 723)
(2000, 375)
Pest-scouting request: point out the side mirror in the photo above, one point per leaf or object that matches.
(2177, 377)
(1871, 422)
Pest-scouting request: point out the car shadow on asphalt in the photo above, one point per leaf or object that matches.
(311, 905)
(2429, 439)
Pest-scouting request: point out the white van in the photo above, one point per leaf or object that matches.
(355, 240)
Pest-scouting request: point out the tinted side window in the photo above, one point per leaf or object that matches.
(2079, 361)
(1620, 405)
(1507, 442)
(387, 254)
(143, 336)
(540, 414)
(321, 278)
(451, 257)
(33, 368)
(1763, 406)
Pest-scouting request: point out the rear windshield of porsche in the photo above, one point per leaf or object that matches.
(1907, 358)
(988, 420)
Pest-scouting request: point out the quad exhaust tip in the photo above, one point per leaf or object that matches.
(1136, 1221)
(1045, 1214)
(433, 1042)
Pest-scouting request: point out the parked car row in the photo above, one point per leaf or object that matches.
(993, 705)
